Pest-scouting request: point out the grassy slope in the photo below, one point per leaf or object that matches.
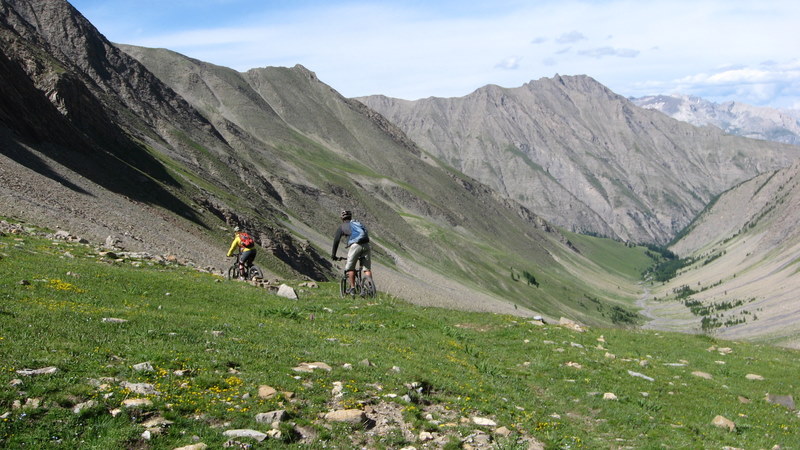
(471, 364)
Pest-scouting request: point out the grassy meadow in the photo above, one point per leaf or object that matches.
(423, 376)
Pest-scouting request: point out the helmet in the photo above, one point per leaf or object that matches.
(237, 228)
(346, 214)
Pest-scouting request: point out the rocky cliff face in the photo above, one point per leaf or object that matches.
(732, 117)
(582, 156)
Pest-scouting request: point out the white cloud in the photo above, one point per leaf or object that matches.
(570, 38)
(610, 51)
(511, 63)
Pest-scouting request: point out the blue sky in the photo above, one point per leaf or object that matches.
(746, 51)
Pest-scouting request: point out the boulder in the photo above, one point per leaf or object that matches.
(287, 291)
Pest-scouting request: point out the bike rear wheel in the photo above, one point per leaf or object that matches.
(368, 287)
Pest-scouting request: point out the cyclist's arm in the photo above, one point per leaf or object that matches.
(336, 238)
(234, 244)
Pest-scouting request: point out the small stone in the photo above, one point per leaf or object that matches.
(425, 436)
(265, 391)
(113, 320)
(310, 367)
(270, 417)
(705, 375)
(784, 400)
(639, 375)
(140, 388)
(143, 367)
(609, 396)
(42, 371)
(723, 422)
(503, 431)
(755, 377)
(136, 402)
(198, 446)
(482, 421)
(83, 406)
(244, 433)
(352, 416)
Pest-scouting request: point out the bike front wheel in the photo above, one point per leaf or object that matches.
(255, 273)
(343, 287)
(233, 272)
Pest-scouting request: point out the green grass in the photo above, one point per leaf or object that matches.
(231, 338)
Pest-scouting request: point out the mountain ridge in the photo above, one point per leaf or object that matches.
(575, 140)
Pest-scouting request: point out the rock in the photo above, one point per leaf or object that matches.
(309, 367)
(723, 422)
(157, 422)
(265, 391)
(752, 376)
(136, 402)
(366, 363)
(140, 388)
(310, 285)
(784, 400)
(503, 431)
(574, 365)
(272, 416)
(425, 436)
(705, 375)
(351, 416)
(83, 406)
(198, 446)
(143, 367)
(62, 234)
(571, 324)
(244, 433)
(42, 371)
(286, 291)
(609, 396)
(113, 320)
(484, 422)
(639, 375)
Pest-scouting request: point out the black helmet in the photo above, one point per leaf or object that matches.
(346, 214)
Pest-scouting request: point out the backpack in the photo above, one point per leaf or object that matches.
(358, 233)
(246, 240)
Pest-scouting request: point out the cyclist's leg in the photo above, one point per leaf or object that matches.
(350, 265)
(248, 257)
(365, 258)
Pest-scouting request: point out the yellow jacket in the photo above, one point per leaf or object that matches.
(237, 242)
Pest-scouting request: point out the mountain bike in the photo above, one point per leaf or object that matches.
(364, 285)
(251, 271)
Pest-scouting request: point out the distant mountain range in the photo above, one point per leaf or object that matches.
(731, 117)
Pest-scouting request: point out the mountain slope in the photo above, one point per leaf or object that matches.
(732, 117)
(582, 156)
(744, 250)
(168, 155)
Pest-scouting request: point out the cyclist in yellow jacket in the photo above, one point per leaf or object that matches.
(247, 248)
